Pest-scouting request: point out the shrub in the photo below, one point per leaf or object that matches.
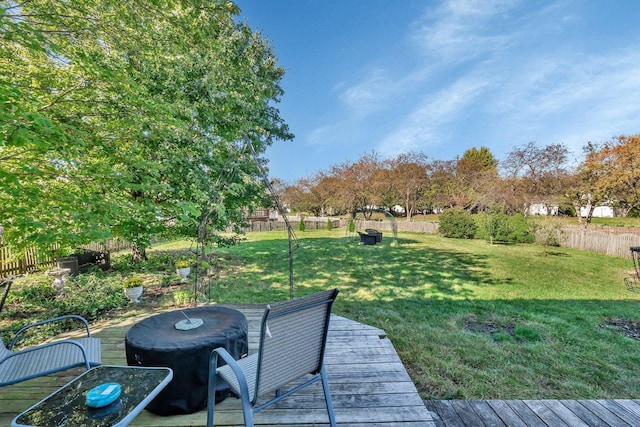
(520, 231)
(301, 225)
(493, 227)
(329, 224)
(549, 233)
(457, 223)
(182, 297)
(351, 226)
(503, 228)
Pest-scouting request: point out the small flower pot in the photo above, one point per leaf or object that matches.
(133, 294)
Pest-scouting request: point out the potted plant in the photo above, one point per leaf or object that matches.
(132, 288)
(183, 268)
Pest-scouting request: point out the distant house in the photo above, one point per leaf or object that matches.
(260, 215)
(599, 212)
(264, 215)
(398, 209)
(542, 209)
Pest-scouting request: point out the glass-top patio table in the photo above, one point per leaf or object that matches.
(67, 405)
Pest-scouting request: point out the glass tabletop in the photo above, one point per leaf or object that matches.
(67, 405)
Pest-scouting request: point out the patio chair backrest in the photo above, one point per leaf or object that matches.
(47, 358)
(293, 337)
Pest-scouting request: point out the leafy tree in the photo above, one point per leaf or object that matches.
(355, 185)
(476, 160)
(537, 174)
(313, 194)
(134, 126)
(476, 176)
(617, 172)
(406, 180)
(441, 192)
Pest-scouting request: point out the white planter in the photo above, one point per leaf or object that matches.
(183, 272)
(133, 293)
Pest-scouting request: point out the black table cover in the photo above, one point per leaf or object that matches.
(156, 342)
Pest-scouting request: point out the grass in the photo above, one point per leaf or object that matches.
(469, 320)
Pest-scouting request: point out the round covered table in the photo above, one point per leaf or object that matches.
(155, 341)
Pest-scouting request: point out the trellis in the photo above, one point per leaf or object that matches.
(202, 226)
(633, 282)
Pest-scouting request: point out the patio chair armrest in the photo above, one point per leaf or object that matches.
(231, 362)
(51, 344)
(16, 338)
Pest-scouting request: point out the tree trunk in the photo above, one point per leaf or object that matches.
(138, 253)
(590, 209)
(577, 207)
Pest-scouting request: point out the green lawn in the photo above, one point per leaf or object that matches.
(469, 320)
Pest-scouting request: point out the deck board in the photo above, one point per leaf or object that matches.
(369, 385)
(535, 413)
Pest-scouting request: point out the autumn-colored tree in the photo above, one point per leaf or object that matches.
(313, 194)
(617, 169)
(405, 180)
(356, 187)
(537, 174)
(582, 188)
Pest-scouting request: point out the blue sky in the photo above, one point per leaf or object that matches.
(439, 77)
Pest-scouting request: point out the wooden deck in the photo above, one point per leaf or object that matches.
(369, 385)
(535, 413)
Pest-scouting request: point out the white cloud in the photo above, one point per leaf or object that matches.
(428, 122)
(459, 30)
(368, 95)
(487, 80)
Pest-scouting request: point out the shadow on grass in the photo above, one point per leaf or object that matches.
(381, 271)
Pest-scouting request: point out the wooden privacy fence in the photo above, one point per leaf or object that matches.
(401, 225)
(614, 241)
(31, 260)
(311, 223)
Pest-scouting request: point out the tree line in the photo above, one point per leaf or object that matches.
(608, 173)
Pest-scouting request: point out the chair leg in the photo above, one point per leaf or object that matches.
(327, 396)
(247, 412)
(211, 392)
